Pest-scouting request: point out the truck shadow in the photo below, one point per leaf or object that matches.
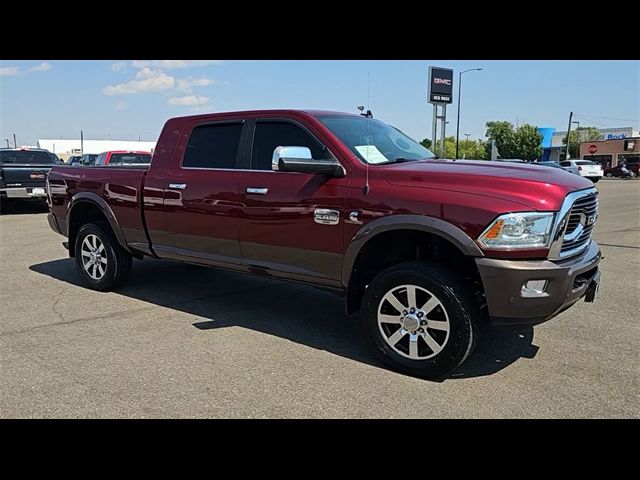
(295, 312)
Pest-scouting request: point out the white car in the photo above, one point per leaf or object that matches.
(590, 170)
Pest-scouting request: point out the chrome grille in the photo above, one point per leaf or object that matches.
(579, 227)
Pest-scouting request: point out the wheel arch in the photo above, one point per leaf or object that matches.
(412, 231)
(85, 207)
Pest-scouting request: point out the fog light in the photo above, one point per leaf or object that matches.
(534, 288)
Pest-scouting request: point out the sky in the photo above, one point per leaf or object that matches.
(124, 100)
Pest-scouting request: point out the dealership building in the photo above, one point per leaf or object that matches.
(612, 152)
(612, 140)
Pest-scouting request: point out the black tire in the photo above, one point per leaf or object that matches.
(118, 261)
(456, 296)
(609, 175)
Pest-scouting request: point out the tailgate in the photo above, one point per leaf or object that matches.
(25, 176)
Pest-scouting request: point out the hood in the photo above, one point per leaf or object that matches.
(535, 186)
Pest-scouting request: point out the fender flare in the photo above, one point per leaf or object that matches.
(423, 223)
(103, 206)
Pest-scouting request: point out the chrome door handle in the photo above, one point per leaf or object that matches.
(178, 186)
(257, 190)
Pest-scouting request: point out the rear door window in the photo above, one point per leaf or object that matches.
(213, 146)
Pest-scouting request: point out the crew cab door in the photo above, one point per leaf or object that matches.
(200, 195)
(282, 229)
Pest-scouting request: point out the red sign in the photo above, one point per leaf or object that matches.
(593, 149)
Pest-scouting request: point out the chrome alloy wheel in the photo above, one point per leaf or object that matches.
(94, 256)
(413, 322)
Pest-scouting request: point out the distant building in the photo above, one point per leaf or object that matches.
(65, 148)
(610, 153)
(553, 148)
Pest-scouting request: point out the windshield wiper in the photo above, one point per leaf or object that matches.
(398, 160)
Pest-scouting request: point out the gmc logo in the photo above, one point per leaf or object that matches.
(441, 81)
(36, 175)
(591, 219)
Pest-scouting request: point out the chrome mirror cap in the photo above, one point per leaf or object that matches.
(289, 152)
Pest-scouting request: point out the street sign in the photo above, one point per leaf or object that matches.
(593, 149)
(440, 85)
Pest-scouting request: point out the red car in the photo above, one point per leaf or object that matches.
(426, 250)
(123, 157)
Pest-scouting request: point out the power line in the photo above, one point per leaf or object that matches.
(607, 118)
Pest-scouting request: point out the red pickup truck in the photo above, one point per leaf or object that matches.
(427, 250)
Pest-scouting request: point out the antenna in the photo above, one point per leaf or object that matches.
(366, 188)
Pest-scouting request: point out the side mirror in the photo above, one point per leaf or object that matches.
(298, 159)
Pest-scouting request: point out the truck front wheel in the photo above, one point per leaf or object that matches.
(422, 319)
(102, 263)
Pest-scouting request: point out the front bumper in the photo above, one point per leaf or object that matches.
(567, 282)
(24, 192)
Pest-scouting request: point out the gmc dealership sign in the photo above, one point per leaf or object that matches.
(440, 85)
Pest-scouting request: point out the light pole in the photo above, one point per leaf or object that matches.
(459, 91)
(140, 133)
(467, 135)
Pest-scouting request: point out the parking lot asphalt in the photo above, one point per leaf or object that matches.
(185, 341)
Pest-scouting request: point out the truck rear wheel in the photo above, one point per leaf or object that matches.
(422, 319)
(102, 263)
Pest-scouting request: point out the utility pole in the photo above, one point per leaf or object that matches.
(8, 146)
(81, 143)
(566, 155)
(15, 143)
(578, 133)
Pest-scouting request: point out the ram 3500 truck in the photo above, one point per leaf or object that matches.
(427, 250)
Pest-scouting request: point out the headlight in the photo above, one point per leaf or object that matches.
(518, 231)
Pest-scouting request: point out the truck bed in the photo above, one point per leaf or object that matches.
(120, 188)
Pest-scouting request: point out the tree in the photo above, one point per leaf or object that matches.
(472, 150)
(502, 133)
(528, 142)
(525, 142)
(449, 148)
(582, 134)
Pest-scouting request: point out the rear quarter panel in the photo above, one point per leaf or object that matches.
(119, 187)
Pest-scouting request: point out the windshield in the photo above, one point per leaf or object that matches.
(374, 141)
(39, 157)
